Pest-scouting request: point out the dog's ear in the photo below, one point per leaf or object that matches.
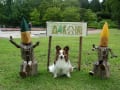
(57, 53)
(66, 48)
(58, 47)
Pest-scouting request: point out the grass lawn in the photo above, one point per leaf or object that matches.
(10, 60)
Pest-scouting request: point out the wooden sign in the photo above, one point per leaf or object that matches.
(66, 29)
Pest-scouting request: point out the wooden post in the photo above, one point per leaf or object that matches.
(80, 52)
(49, 51)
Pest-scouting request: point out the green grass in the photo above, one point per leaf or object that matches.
(10, 61)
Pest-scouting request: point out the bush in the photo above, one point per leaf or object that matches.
(35, 17)
(93, 24)
(71, 14)
(104, 15)
(52, 14)
(99, 25)
(112, 24)
(90, 16)
(87, 15)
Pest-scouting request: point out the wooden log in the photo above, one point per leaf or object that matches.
(29, 70)
(101, 67)
(101, 70)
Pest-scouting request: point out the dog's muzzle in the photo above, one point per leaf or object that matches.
(61, 57)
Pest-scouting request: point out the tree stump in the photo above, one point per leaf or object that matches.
(101, 70)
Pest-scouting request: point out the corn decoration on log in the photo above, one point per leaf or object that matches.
(104, 36)
(101, 66)
(29, 65)
(25, 32)
(25, 37)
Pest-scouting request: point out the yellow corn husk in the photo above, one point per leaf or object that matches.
(25, 37)
(104, 36)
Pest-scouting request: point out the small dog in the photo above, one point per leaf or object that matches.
(62, 65)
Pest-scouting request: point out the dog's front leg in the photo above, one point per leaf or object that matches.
(55, 73)
(68, 75)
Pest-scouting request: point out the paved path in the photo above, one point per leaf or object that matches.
(16, 34)
(36, 33)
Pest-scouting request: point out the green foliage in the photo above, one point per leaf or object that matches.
(11, 11)
(68, 3)
(111, 23)
(103, 15)
(35, 17)
(93, 24)
(71, 14)
(99, 25)
(95, 5)
(10, 61)
(84, 4)
(87, 15)
(90, 16)
(52, 14)
(115, 8)
(2, 16)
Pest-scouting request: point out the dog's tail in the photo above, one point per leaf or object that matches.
(51, 68)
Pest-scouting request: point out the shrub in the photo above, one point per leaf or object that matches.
(112, 24)
(35, 17)
(93, 24)
(87, 15)
(99, 25)
(52, 14)
(71, 14)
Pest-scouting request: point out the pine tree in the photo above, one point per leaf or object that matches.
(84, 4)
(95, 5)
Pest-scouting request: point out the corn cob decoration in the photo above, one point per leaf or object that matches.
(104, 36)
(25, 32)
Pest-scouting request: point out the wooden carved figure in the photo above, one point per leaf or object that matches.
(29, 64)
(101, 67)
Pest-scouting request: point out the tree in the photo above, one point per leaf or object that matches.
(90, 16)
(87, 15)
(8, 11)
(52, 14)
(35, 17)
(95, 5)
(84, 4)
(43, 6)
(115, 10)
(71, 14)
(2, 16)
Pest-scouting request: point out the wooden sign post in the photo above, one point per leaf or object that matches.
(49, 51)
(71, 29)
(80, 54)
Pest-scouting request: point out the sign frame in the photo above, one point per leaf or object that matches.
(66, 29)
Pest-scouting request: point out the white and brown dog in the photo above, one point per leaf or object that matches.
(62, 65)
